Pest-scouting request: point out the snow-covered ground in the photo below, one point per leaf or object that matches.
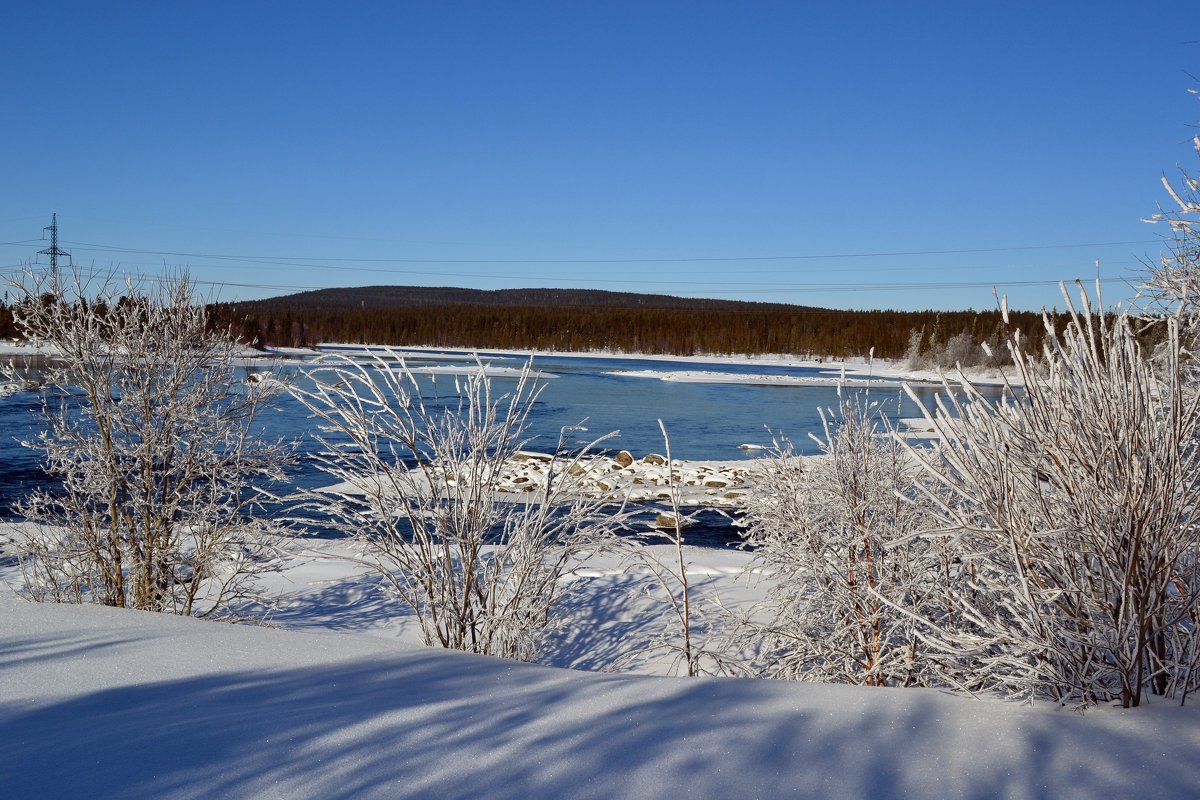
(339, 699)
(492, 371)
(849, 380)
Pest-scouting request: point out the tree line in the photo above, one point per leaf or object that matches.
(8, 326)
(583, 320)
(657, 330)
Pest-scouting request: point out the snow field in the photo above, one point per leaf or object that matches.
(103, 702)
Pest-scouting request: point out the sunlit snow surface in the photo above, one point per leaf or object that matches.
(101, 702)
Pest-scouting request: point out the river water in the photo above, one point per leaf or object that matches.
(706, 421)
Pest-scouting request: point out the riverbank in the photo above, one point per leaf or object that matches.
(857, 371)
(850, 372)
(334, 701)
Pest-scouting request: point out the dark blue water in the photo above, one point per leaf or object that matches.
(705, 421)
(20, 467)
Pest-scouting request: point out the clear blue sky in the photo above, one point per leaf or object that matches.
(611, 145)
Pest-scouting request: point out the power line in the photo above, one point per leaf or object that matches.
(53, 250)
(89, 246)
(739, 287)
(713, 285)
(742, 287)
(755, 288)
(93, 272)
(340, 265)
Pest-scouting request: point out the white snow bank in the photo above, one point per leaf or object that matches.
(10, 348)
(293, 352)
(101, 702)
(710, 376)
(856, 366)
(389, 351)
(492, 371)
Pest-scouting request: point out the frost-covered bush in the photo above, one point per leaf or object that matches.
(149, 432)
(418, 496)
(960, 350)
(1173, 282)
(682, 626)
(1072, 503)
(835, 535)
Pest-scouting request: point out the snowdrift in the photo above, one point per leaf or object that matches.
(103, 702)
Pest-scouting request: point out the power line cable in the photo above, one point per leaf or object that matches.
(741, 287)
(795, 287)
(710, 284)
(93, 273)
(91, 246)
(278, 261)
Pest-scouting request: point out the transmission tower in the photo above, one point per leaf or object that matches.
(53, 250)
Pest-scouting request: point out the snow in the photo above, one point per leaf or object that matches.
(712, 484)
(293, 352)
(850, 381)
(492, 371)
(386, 351)
(855, 367)
(339, 700)
(10, 348)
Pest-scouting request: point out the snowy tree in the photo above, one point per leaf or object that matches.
(419, 495)
(834, 533)
(149, 432)
(1173, 282)
(1072, 504)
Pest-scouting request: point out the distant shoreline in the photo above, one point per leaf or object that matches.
(857, 370)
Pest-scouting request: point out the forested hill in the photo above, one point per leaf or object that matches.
(410, 296)
(584, 319)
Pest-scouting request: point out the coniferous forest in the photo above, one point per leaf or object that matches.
(581, 320)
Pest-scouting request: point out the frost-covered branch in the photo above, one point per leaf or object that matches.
(834, 534)
(148, 429)
(418, 493)
(1073, 504)
(1172, 283)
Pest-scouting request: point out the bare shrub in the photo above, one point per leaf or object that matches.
(684, 629)
(834, 533)
(149, 432)
(1073, 506)
(419, 498)
(960, 350)
(914, 356)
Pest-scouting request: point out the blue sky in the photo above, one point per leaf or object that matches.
(820, 154)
